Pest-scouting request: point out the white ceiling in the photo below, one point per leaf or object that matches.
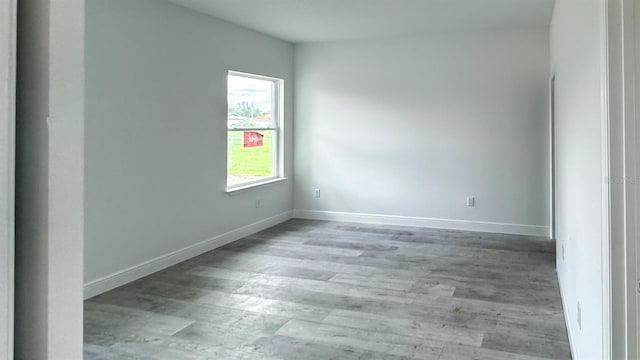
(329, 20)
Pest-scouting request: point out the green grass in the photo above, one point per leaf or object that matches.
(253, 161)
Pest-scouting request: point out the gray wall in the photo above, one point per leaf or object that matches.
(66, 178)
(412, 126)
(576, 55)
(49, 179)
(32, 176)
(8, 28)
(156, 130)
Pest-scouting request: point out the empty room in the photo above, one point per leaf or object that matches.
(321, 179)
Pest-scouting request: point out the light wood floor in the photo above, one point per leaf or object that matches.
(326, 290)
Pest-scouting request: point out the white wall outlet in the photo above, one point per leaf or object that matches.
(258, 204)
(316, 193)
(471, 201)
(579, 316)
(562, 252)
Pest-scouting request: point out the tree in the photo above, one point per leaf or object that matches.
(246, 109)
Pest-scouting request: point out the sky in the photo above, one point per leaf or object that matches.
(250, 90)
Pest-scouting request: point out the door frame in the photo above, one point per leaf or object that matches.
(553, 221)
(7, 173)
(632, 76)
(620, 108)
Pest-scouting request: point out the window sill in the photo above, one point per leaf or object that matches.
(243, 188)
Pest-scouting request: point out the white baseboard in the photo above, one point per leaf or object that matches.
(567, 320)
(481, 226)
(135, 272)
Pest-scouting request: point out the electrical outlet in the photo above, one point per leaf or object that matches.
(562, 252)
(258, 204)
(317, 193)
(471, 201)
(579, 316)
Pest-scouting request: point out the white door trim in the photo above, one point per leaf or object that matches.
(632, 108)
(66, 179)
(553, 223)
(619, 263)
(7, 173)
(606, 191)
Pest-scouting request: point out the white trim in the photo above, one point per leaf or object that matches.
(632, 70)
(64, 245)
(251, 129)
(618, 252)
(567, 315)
(553, 226)
(629, 50)
(135, 272)
(606, 191)
(254, 185)
(277, 143)
(254, 76)
(468, 225)
(7, 173)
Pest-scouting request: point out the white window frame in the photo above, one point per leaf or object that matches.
(277, 148)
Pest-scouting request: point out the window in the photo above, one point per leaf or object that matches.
(254, 119)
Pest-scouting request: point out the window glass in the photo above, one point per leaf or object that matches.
(252, 129)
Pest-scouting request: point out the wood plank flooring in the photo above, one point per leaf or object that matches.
(325, 290)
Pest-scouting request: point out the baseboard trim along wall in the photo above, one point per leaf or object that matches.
(122, 277)
(136, 272)
(567, 317)
(480, 226)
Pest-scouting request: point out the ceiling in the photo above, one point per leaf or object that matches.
(302, 21)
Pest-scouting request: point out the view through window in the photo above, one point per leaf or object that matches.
(252, 129)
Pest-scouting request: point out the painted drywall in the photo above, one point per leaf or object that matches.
(32, 188)
(66, 178)
(576, 60)
(49, 177)
(8, 27)
(334, 20)
(156, 130)
(411, 126)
